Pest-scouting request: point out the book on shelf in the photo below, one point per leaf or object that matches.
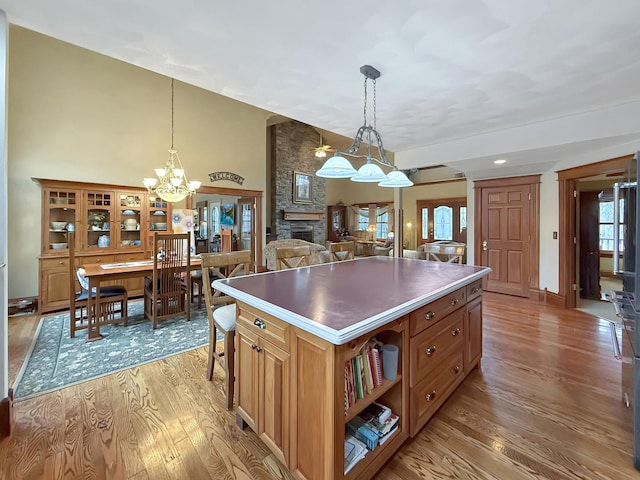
(354, 451)
(363, 373)
(376, 411)
(359, 429)
(384, 427)
(388, 435)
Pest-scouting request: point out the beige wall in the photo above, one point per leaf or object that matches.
(349, 192)
(78, 115)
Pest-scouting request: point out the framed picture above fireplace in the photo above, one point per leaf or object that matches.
(302, 187)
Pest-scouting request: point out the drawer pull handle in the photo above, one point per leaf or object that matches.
(429, 315)
(430, 396)
(455, 332)
(475, 289)
(456, 369)
(430, 350)
(258, 322)
(454, 301)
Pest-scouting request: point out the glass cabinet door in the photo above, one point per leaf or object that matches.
(129, 211)
(99, 208)
(61, 218)
(158, 217)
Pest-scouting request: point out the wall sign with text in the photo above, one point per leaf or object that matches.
(234, 177)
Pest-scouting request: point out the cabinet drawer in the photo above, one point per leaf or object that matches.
(474, 290)
(96, 259)
(48, 264)
(433, 312)
(130, 257)
(434, 345)
(272, 329)
(431, 393)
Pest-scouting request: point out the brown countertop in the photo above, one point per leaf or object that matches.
(342, 300)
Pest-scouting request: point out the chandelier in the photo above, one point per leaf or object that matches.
(172, 184)
(339, 167)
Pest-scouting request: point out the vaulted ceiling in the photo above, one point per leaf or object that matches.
(463, 81)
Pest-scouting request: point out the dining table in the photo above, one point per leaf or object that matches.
(98, 273)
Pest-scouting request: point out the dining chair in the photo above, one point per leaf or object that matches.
(341, 251)
(292, 257)
(444, 251)
(221, 311)
(226, 241)
(166, 294)
(110, 297)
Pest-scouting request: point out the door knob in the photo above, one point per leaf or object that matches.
(484, 245)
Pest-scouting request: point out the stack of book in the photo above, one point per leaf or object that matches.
(374, 426)
(363, 373)
(354, 451)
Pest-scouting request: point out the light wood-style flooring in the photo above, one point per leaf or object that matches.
(544, 405)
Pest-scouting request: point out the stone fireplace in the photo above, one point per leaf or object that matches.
(292, 146)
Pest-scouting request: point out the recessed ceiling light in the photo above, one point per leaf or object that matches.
(500, 161)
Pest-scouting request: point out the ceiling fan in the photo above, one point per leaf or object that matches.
(321, 150)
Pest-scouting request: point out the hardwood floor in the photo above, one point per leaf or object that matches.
(545, 404)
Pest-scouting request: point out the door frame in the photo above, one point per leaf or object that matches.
(534, 223)
(567, 185)
(256, 195)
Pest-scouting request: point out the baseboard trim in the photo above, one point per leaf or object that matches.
(6, 415)
(536, 295)
(554, 299)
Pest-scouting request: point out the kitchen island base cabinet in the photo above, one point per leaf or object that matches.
(294, 382)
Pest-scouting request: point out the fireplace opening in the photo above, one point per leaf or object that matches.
(302, 232)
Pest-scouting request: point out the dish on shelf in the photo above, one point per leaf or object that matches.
(128, 212)
(159, 212)
(58, 201)
(58, 225)
(58, 246)
(158, 226)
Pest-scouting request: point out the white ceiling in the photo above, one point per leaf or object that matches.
(463, 81)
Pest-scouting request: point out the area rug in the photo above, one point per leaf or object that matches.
(56, 360)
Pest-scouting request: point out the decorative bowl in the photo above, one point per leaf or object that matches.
(57, 246)
(58, 225)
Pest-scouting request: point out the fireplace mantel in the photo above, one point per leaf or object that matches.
(303, 214)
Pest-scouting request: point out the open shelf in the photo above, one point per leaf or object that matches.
(379, 455)
(377, 392)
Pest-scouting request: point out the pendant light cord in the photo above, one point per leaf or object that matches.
(172, 114)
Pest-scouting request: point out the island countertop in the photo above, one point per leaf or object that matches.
(340, 301)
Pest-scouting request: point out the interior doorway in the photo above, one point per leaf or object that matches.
(244, 219)
(577, 267)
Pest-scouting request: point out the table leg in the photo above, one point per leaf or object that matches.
(92, 312)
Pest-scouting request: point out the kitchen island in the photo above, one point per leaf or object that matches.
(300, 331)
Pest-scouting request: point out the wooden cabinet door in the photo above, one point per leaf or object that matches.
(247, 376)
(473, 329)
(273, 418)
(54, 284)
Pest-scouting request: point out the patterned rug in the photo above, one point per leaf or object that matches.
(56, 360)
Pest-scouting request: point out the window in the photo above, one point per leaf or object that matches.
(463, 219)
(424, 230)
(363, 219)
(382, 225)
(215, 219)
(443, 223)
(606, 225)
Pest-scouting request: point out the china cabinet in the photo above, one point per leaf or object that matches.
(336, 222)
(112, 223)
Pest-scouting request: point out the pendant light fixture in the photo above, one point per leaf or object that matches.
(339, 167)
(172, 184)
